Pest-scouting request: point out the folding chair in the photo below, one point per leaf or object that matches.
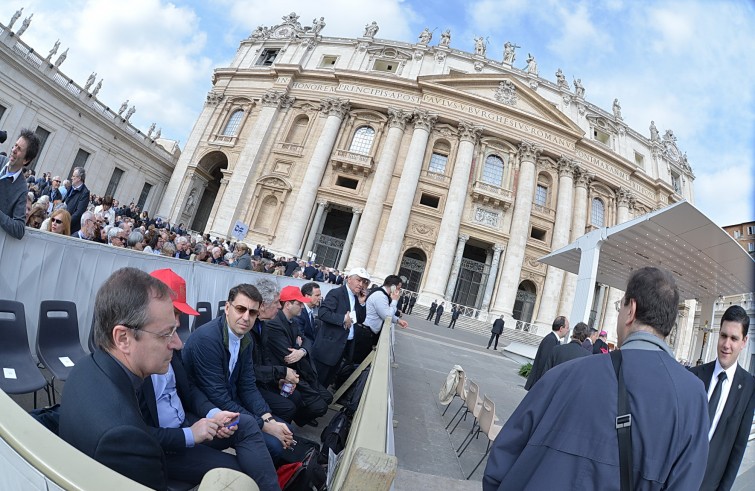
(221, 307)
(58, 345)
(205, 315)
(488, 426)
(471, 403)
(20, 374)
(461, 391)
(90, 339)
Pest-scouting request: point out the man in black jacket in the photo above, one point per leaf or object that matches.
(560, 328)
(77, 198)
(570, 351)
(343, 307)
(284, 347)
(496, 332)
(433, 307)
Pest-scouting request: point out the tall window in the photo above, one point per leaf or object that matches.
(598, 212)
(492, 171)
(80, 161)
(232, 126)
(362, 141)
(298, 130)
(115, 179)
(541, 195)
(42, 134)
(143, 196)
(438, 163)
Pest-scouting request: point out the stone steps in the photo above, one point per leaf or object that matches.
(483, 328)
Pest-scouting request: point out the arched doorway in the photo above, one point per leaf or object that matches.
(209, 169)
(524, 305)
(330, 240)
(413, 268)
(473, 275)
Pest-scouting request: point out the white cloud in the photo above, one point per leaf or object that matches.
(725, 193)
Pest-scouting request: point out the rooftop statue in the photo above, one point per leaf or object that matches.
(24, 25)
(445, 38)
(561, 79)
(425, 36)
(509, 54)
(371, 29)
(479, 46)
(15, 18)
(579, 89)
(531, 64)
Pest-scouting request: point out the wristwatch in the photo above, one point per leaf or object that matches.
(269, 419)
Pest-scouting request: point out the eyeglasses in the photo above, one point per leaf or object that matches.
(56, 220)
(167, 337)
(56, 180)
(241, 309)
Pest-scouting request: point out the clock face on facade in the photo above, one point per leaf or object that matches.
(672, 151)
(282, 32)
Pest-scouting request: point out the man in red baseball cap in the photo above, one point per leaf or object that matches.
(284, 347)
(178, 287)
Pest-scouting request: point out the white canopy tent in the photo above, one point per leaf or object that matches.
(705, 260)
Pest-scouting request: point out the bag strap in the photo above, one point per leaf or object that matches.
(623, 426)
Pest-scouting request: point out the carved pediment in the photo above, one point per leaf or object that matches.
(497, 92)
(602, 123)
(390, 53)
(274, 182)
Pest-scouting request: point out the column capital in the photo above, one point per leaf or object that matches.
(498, 248)
(463, 238)
(335, 106)
(424, 120)
(322, 202)
(357, 211)
(565, 167)
(528, 151)
(469, 132)
(583, 178)
(397, 118)
(624, 197)
(275, 98)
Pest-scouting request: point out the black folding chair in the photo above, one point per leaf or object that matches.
(20, 374)
(183, 327)
(58, 345)
(205, 315)
(90, 341)
(221, 307)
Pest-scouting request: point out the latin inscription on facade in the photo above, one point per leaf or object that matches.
(591, 159)
(428, 99)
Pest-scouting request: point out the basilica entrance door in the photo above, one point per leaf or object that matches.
(525, 301)
(412, 268)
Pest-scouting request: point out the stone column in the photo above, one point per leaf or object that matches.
(624, 199)
(357, 212)
(554, 278)
(456, 266)
(393, 238)
(315, 226)
(579, 223)
(520, 227)
(497, 248)
(246, 164)
(440, 263)
(381, 181)
(336, 109)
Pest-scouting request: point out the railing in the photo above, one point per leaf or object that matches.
(525, 327)
(434, 176)
(353, 162)
(290, 148)
(367, 460)
(485, 193)
(471, 312)
(224, 139)
(543, 210)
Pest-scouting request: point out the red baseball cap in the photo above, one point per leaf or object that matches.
(177, 286)
(290, 293)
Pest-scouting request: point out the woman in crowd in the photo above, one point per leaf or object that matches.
(135, 241)
(60, 222)
(36, 216)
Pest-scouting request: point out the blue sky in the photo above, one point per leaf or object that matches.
(686, 64)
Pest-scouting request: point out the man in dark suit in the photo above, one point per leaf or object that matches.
(496, 332)
(455, 313)
(570, 351)
(306, 321)
(310, 272)
(412, 301)
(589, 342)
(135, 331)
(291, 266)
(560, 329)
(77, 198)
(342, 308)
(181, 417)
(600, 345)
(433, 308)
(731, 401)
(439, 313)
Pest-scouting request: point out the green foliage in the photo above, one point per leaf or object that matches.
(525, 370)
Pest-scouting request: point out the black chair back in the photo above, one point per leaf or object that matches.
(58, 345)
(205, 315)
(90, 342)
(20, 373)
(183, 327)
(221, 307)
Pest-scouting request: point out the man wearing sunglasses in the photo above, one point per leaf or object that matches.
(180, 417)
(218, 359)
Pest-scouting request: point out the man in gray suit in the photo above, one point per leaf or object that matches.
(12, 185)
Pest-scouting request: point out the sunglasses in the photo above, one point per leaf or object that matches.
(241, 310)
(56, 220)
(56, 180)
